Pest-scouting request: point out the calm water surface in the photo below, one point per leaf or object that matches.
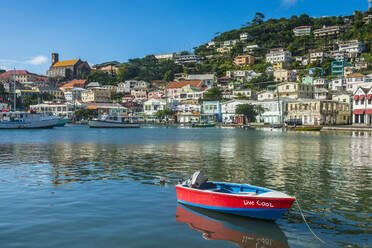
(81, 187)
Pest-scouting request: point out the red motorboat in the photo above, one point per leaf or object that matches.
(239, 199)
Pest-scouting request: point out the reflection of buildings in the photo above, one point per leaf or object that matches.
(257, 235)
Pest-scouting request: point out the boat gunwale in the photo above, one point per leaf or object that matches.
(236, 195)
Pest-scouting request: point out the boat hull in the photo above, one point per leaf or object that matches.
(62, 122)
(267, 208)
(29, 125)
(104, 124)
(308, 128)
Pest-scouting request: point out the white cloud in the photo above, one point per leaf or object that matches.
(289, 2)
(38, 60)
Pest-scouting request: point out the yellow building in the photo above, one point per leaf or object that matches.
(320, 112)
(110, 68)
(295, 90)
(224, 49)
(244, 60)
(96, 95)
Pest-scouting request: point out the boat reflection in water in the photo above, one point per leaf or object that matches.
(244, 232)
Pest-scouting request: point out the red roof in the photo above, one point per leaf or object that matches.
(369, 96)
(355, 75)
(355, 97)
(369, 111)
(180, 84)
(361, 97)
(303, 27)
(10, 73)
(74, 83)
(358, 111)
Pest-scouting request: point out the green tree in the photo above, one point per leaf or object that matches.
(258, 19)
(248, 110)
(101, 77)
(169, 76)
(166, 113)
(213, 94)
(84, 114)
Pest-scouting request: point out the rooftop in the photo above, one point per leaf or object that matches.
(180, 84)
(65, 63)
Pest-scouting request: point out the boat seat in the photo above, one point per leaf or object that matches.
(247, 193)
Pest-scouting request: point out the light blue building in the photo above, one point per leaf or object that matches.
(212, 110)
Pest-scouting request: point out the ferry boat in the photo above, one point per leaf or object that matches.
(115, 121)
(233, 198)
(26, 120)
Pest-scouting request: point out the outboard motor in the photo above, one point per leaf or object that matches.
(197, 179)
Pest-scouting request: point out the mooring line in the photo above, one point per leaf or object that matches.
(308, 226)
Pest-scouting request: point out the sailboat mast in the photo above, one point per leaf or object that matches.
(14, 91)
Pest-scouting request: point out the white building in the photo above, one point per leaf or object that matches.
(242, 75)
(318, 55)
(250, 48)
(274, 112)
(338, 83)
(278, 55)
(164, 56)
(248, 93)
(128, 85)
(338, 56)
(354, 81)
(362, 106)
(265, 95)
(63, 110)
(153, 105)
(352, 47)
(73, 94)
(244, 36)
(191, 58)
(320, 94)
(228, 109)
(228, 43)
(302, 30)
(320, 83)
(208, 79)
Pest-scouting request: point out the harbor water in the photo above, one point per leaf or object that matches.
(78, 187)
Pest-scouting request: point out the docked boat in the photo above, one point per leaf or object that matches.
(116, 121)
(232, 198)
(62, 122)
(206, 124)
(25, 120)
(308, 128)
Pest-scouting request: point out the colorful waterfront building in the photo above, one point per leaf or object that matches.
(212, 110)
(362, 106)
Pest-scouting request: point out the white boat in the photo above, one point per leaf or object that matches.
(115, 121)
(25, 120)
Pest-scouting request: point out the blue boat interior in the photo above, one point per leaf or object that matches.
(232, 188)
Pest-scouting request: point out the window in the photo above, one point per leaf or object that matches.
(369, 101)
(356, 102)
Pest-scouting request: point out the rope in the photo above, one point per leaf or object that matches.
(308, 226)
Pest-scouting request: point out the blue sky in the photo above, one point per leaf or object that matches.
(99, 31)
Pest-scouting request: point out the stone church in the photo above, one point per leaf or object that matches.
(67, 69)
